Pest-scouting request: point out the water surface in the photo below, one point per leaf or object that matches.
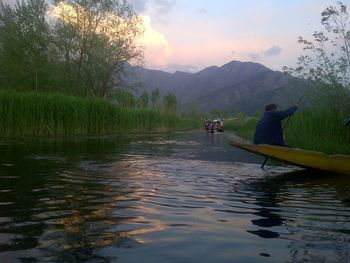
(184, 197)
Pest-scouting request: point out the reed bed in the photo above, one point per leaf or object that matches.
(319, 130)
(37, 114)
(242, 126)
(312, 129)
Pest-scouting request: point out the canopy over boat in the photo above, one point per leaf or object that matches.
(332, 163)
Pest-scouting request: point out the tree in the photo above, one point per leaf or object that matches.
(327, 58)
(193, 110)
(169, 103)
(124, 98)
(94, 38)
(24, 45)
(143, 100)
(155, 98)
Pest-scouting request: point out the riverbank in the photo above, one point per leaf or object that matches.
(38, 114)
(316, 130)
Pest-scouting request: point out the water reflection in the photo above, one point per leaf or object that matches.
(267, 211)
(51, 193)
(307, 208)
(184, 197)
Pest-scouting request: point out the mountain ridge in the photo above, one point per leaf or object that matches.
(234, 86)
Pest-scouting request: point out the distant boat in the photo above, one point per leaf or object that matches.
(338, 163)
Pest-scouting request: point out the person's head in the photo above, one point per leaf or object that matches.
(271, 107)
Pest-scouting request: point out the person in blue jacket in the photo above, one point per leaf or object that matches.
(269, 128)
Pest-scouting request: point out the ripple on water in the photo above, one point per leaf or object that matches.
(173, 208)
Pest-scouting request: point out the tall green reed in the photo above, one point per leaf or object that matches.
(243, 126)
(36, 114)
(319, 130)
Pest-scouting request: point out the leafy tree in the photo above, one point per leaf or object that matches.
(124, 98)
(143, 100)
(94, 38)
(155, 98)
(220, 113)
(193, 110)
(326, 61)
(169, 103)
(24, 38)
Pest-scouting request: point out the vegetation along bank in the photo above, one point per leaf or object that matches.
(56, 80)
(33, 114)
(313, 129)
(319, 123)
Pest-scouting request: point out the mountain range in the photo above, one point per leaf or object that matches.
(236, 87)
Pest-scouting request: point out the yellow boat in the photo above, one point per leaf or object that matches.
(332, 163)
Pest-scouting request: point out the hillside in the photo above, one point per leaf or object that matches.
(236, 86)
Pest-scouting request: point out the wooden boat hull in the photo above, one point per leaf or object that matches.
(332, 163)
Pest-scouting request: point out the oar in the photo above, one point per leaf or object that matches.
(263, 164)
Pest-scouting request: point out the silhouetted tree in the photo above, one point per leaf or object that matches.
(94, 39)
(169, 103)
(24, 41)
(143, 100)
(155, 98)
(327, 57)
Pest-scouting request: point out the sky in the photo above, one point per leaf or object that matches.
(190, 35)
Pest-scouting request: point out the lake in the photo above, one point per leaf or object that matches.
(181, 197)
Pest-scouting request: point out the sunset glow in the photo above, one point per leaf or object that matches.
(192, 35)
(157, 49)
(109, 25)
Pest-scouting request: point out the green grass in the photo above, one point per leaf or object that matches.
(312, 129)
(36, 114)
(242, 126)
(319, 130)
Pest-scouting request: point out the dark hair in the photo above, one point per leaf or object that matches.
(271, 107)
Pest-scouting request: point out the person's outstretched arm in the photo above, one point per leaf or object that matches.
(286, 113)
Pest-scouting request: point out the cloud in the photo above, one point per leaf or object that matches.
(273, 51)
(178, 67)
(157, 49)
(138, 5)
(254, 56)
(157, 9)
(164, 6)
(202, 11)
(161, 9)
